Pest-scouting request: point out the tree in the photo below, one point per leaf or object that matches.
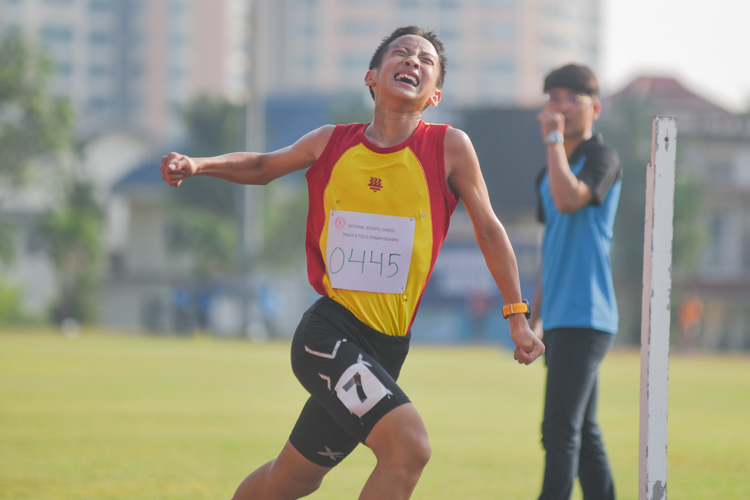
(32, 123)
(12, 311)
(7, 249)
(71, 237)
(214, 126)
(626, 126)
(209, 239)
(204, 209)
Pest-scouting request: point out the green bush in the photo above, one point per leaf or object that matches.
(12, 311)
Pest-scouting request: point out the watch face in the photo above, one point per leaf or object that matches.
(554, 137)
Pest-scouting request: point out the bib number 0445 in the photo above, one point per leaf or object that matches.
(338, 260)
(369, 252)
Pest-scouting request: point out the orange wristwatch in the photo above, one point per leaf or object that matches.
(517, 308)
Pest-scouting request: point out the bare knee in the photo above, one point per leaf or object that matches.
(415, 453)
(294, 484)
(400, 441)
(272, 482)
(289, 476)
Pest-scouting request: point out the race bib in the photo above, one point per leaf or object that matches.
(368, 252)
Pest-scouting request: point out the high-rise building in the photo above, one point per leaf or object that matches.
(498, 50)
(136, 63)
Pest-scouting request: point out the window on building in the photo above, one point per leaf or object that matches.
(177, 41)
(449, 35)
(556, 41)
(134, 103)
(502, 67)
(98, 38)
(98, 71)
(97, 105)
(555, 11)
(359, 27)
(57, 34)
(100, 5)
(499, 31)
(134, 40)
(135, 71)
(308, 61)
(448, 4)
(63, 68)
(176, 107)
(716, 235)
(134, 8)
(746, 251)
(177, 8)
(357, 62)
(721, 173)
(176, 74)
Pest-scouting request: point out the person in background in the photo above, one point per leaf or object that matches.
(575, 311)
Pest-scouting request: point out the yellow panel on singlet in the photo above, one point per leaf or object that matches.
(384, 184)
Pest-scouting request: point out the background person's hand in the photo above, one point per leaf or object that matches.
(550, 120)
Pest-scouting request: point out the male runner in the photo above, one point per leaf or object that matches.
(381, 196)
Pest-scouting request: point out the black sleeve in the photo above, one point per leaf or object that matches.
(600, 171)
(539, 208)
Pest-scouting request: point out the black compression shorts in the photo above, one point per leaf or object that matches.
(350, 371)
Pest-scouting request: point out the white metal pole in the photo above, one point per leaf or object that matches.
(255, 120)
(655, 311)
(251, 197)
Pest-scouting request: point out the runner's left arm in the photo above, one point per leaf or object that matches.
(465, 180)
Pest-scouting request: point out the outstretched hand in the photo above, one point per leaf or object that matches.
(528, 345)
(175, 168)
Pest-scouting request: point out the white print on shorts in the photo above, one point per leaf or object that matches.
(359, 389)
(326, 355)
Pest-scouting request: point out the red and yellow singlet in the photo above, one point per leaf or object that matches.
(403, 182)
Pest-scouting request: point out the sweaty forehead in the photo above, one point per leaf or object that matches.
(414, 42)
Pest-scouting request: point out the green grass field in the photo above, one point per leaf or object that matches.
(136, 417)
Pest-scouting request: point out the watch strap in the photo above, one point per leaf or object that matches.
(517, 308)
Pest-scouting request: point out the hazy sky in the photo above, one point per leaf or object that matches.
(703, 43)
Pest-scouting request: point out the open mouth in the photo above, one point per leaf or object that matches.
(407, 78)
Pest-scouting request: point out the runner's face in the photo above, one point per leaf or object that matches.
(410, 69)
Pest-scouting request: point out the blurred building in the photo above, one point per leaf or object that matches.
(135, 63)
(498, 50)
(130, 66)
(713, 149)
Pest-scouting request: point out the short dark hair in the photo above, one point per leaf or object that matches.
(576, 77)
(429, 35)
